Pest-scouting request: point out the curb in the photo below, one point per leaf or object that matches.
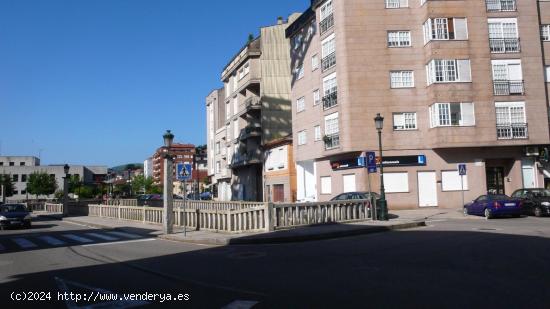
(297, 238)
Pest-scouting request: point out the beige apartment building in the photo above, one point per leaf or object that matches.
(252, 109)
(456, 82)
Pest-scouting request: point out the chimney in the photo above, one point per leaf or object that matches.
(279, 20)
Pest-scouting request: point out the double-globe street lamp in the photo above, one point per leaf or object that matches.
(66, 168)
(383, 207)
(167, 196)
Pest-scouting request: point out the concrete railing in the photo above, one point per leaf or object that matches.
(291, 215)
(122, 202)
(45, 207)
(239, 217)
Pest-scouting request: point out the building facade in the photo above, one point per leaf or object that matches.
(254, 110)
(182, 153)
(456, 81)
(279, 171)
(21, 167)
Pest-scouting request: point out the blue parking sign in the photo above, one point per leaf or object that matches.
(371, 162)
(183, 171)
(462, 169)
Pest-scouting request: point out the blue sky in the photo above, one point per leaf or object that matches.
(99, 81)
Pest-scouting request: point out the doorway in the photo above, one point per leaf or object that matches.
(278, 193)
(495, 180)
(427, 189)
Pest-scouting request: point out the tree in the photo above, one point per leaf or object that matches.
(6, 181)
(74, 184)
(40, 183)
(142, 184)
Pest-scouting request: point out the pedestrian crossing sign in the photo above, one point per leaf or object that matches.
(183, 171)
(462, 169)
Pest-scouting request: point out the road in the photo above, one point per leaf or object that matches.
(462, 263)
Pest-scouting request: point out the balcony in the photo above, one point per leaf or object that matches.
(328, 61)
(330, 100)
(501, 5)
(503, 46)
(512, 131)
(241, 160)
(250, 131)
(331, 141)
(508, 87)
(326, 23)
(251, 104)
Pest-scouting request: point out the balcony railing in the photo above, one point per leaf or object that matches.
(326, 23)
(330, 100)
(501, 5)
(508, 87)
(239, 159)
(331, 141)
(501, 46)
(512, 131)
(328, 61)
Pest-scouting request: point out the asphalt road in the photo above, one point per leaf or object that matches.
(464, 263)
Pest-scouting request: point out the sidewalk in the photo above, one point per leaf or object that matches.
(306, 233)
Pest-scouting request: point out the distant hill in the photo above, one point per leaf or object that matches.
(124, 167)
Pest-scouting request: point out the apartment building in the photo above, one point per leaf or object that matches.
(256, 111)
(182, 153)
(21, 167)
(279, 171)
(456, 81)
(218, 164)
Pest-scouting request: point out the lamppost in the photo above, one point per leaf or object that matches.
(66, 190)
(379, 122)
(168, 198)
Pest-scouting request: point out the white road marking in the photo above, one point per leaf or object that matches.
(102, 236)
(52, 241)
(122, 234)
(24, 243)
(240, 304)
(77, 238)
(119, 242)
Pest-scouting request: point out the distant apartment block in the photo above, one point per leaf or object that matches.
(461, 81)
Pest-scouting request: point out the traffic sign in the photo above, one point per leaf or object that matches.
(462, 169)
(371, 162)
(183, 171)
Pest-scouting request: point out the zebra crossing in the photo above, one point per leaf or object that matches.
(30, 241)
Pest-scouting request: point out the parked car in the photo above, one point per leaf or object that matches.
(355, 196)
(492, 206)
(535, 201)
(14, 215)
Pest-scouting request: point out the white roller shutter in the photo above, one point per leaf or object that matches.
(464, 72)
(468, 114)
(461, 29)
(403, 3)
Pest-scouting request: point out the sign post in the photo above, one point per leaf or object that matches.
(462, 173)
(371, 168)
(183, 173)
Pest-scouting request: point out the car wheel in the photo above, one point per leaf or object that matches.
(538, 212)
(465, 211)
(487, 213)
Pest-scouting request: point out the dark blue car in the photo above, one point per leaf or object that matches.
(14, 215)
(492, 206)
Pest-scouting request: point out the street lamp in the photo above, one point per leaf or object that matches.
(168, 198)
(379, 123)
(66, 168)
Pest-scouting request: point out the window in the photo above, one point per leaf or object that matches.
(217, 147)
(399, 38)
(300, 104)
(507, 77)
(327, 17)
(445, 29)
(545, 33)
(331, 124)
(218, 167)
(314, 62)
(227, 110)
(15, 178)
(12, 163)
(501, 5)
(299, 71)
(23, 191)
(396, 182)
(326, 185)
(511, 120)
(23, 178)
(317, 130)
(302, 138)
(246, 69)
(1, 163)
(452, 114)
(401, 79)
(328, 52)
(21, 163)
(404, 121)
(235, 106)
(349, 183)
(330, 97)
(395, 4)
(235, 82)
(15, 192)
(444, 71)
(451, 181)
(503, 35)
(326, 10)
(298, 39)
(235, 129)
(316, 97)
(547, 73)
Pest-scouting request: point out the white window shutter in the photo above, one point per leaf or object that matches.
(514, 72)
(464, 72)
(547, 70)
(461, 29)
(468, 114)
(403, 3)
(398, 120)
